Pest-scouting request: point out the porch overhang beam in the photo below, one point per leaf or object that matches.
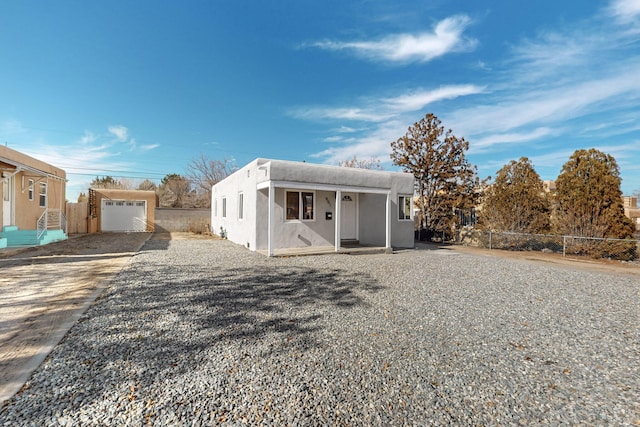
(295, 185)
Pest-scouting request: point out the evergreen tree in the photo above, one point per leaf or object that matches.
(108, 182)
(516, 201)
(175, 191)
(589, 199)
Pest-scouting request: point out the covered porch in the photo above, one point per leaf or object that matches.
(330, 218)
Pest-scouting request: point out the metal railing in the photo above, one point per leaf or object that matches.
(595, 247)
(51, 219)
(41, 225)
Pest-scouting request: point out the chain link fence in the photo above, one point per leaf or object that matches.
(616, 249)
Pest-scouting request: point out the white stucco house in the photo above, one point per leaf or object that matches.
(271, 205)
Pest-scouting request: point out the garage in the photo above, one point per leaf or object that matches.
(123, 215)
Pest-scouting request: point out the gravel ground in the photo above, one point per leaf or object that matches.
(204, 332)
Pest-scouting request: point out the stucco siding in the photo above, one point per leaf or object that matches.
(239, 230)
(17, 170)
(255, 180)
(298, 233)
(372, 222)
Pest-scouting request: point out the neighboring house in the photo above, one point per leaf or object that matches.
(274, 204)
(121, 210)
(631, 210)
(33, 200)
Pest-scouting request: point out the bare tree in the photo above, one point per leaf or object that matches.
(371, 163)
(147, 185)
(204, 173)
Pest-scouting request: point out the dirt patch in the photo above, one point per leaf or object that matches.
(45, 288)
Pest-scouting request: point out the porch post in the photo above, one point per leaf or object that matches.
(270, 220)
(388, 223)
(337, 219)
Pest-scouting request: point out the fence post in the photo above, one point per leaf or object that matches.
(564, 245)
(489, 240)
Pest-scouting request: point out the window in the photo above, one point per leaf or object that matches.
(293, 205)
(404, 207)
(30, 189)
(43, 194)
(224, 207)
(300, 201)
(215, 207)
(240, 205)
(307, 205)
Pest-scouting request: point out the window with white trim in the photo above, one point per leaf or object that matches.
(240, 205)
(43, 194)
(30, 189)
(215, 207)
(404, 208)
(300, 205)
(224, 207)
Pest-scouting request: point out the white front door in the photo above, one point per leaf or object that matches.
(7, 196)
(349, 216)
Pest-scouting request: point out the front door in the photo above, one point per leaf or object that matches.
(349, 216)
(7, 196)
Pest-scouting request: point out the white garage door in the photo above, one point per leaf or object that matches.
(123, 215)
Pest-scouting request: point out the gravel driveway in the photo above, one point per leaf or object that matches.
(204, 332)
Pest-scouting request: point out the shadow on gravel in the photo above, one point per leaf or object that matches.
(166, 324)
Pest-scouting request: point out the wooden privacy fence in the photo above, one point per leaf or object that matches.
(77, 214)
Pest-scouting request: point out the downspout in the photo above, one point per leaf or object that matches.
(270, 219)
(337, 221)
(388, 224)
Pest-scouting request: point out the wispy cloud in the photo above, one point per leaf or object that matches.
(87, 138)
(483, 144)
(380, 109)
(625, 11)
(419, 99)
(446, 36)
(578, 81)
(120, 132)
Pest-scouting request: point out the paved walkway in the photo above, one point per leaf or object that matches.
(43, 292)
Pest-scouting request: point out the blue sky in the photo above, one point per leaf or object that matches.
(138, 89)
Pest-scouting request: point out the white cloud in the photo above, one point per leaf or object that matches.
(338, 113)
(333, 139)
(481, 144)
(421, 98)
(381, 109)
(345, 129)
(120, 132)
(149, 147)
(625, 10)
(87, 138)
(447, 36)
(540, 108)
